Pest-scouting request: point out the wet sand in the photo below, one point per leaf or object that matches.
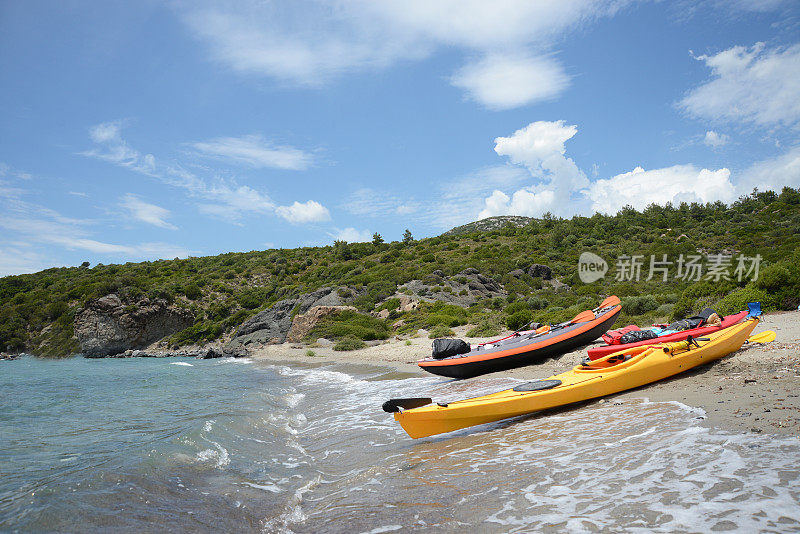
(756, 389)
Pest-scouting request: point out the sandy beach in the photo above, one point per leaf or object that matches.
(756, 389)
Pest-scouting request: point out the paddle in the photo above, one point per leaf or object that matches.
(762, 337)
(766, 336)
(588, 315)
(583, 317)
(613, 300)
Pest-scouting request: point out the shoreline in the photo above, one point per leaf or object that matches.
(756, 389)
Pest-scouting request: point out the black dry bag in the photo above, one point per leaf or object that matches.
(443, 348)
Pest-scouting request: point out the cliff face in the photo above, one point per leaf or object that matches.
(272, 325)
(108, 326)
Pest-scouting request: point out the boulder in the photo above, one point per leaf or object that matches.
(109, 326)
(209, 353)
(540, 271)
(302, 324)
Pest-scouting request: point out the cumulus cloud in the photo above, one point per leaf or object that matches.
(749, 85)
(145, 212)
(676, 184)
(351, 235)
(540, 147)
(254, 151)
(310, 211)
(715, 139)
(773, 173)
(504, 81)
(309, 43)
(560, 187)
(526, 202)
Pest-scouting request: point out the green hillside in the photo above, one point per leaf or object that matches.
(37, 310)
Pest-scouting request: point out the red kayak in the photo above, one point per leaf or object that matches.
(728, 320)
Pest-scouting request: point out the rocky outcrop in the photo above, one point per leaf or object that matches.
(540, 271)
(462, 289)
(273, 324)
(491, 223)
(109, 326)
(268, 326)
(303, 323)
(204, 353)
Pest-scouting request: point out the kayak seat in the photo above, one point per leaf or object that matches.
(538, 385)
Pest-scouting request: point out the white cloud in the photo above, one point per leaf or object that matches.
(145, 212)
(676, 184)
(562, 188)
(749, 85)
(255, 151)
(105, 132)
(220, 198)
(41, 228)
(369, 202)
(504, 81)
(231, 201)
(21, 259)
(311, 211)
(311, 42)
(761, 6)
(773, 173)
(540, 148)
(113, 149)
(351, 235)
(715, 139)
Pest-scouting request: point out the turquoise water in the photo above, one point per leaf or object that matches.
(235, 445)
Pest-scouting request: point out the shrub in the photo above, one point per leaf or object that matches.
(639, 305)
(390, 304)
(484, 329)
(434, 319)
(348, 323)
(349, 343)
(737, 301)
(519, 319)
(192, 292)
(517, 306)
(310, 353)
(537, 303)
(665, 310)
(774, 278)
(440, 330)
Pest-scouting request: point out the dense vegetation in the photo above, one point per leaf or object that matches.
(37, 310)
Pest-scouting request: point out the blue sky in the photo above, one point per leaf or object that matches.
(143, 130)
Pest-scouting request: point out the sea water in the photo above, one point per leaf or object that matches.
(236, 445)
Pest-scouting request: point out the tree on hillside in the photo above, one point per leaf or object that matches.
(377, 239)
(407, 237)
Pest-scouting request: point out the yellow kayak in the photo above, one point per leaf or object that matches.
(611, 374)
